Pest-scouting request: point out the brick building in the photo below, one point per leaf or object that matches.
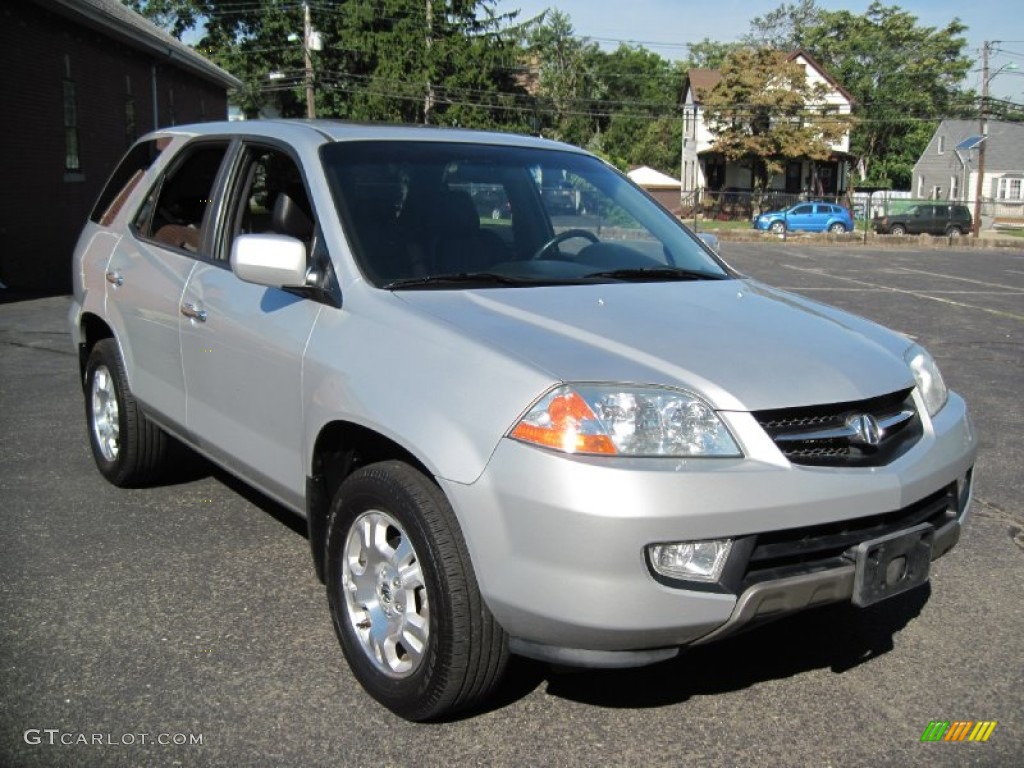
(81, 79)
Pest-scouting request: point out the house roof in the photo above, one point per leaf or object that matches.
(649, 178)
(113, 19)
(702, 81)
(1004, 150)
(802, 53)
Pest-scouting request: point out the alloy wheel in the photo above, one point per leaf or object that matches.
(105, 421)
(385, 594)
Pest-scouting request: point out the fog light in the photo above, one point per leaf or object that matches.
(690, 560)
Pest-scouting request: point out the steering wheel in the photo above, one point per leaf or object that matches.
(561, 237)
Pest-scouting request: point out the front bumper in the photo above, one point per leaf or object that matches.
(558, 542)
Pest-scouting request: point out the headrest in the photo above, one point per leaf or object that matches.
(455, 215)
(289, 218)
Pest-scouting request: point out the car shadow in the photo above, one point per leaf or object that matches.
(279, 512)
(838, 637)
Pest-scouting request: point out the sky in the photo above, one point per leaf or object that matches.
(666, 26)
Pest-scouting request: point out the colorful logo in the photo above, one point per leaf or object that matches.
(958, 730)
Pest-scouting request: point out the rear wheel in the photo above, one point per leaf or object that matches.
(128, 448)
(954, 232)
(404, 598)
(897, 229)
(837, 228)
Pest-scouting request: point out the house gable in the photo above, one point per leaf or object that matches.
(698, 138)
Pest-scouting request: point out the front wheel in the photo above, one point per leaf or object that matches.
(128, 448)
(404, 598)
(777, 227)
(897, 229)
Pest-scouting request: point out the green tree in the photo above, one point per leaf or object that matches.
(785, 27)
(568, 86)
(764, 112)
(637, 118)
(903, 76)
(708, 54)
(443, 61)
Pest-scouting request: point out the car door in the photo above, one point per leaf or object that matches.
(939, 222)
(802, 217)
(242, 344)
(148, 270)
(918, 220)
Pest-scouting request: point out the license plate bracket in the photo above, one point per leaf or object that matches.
(892, 564)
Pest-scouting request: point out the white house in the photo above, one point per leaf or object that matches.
(705, 169)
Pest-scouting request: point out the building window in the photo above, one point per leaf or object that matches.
(1011, 189)
(936, 192)
(130, 131)
(942, 144)
(954, 188)
(920, 186)
(172, 114)
(72, 158)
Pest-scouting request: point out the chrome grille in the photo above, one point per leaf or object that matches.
(864, 433)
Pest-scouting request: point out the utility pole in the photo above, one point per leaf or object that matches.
(307, 42)
(983, 129)
(428, 102)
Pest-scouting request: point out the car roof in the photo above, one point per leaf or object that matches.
(325, 131)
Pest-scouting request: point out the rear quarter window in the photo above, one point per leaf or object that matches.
(123, 181)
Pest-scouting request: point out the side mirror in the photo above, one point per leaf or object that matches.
(276, 261)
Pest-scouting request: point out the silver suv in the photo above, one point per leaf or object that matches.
(585, 440)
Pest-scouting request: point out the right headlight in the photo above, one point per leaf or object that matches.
(624, 420)
(929, 380)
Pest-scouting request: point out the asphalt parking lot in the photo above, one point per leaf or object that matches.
(191, 610)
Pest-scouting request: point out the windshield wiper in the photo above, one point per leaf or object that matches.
(462, 279)
(657, 273)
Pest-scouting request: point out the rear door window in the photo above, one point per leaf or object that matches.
(175, 211)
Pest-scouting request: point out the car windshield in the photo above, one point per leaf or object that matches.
(447, 215)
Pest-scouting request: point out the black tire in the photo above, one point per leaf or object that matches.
(128, 448)
(463, 656)
(777, 227)
(954, 232)
(897, 229)
(837, 228)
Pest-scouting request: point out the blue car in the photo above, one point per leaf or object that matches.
(810, 217)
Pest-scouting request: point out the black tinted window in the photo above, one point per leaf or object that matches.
(175, 209)
(414, 210)
(272, 197)
(123, 181)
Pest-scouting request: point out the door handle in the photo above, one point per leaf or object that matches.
(115, 278)
(191, 310)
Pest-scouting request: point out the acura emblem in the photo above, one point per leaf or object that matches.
(865, 429)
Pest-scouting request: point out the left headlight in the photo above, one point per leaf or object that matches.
(621, 420)
(929, 380)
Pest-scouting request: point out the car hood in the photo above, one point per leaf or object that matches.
(741, 344)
